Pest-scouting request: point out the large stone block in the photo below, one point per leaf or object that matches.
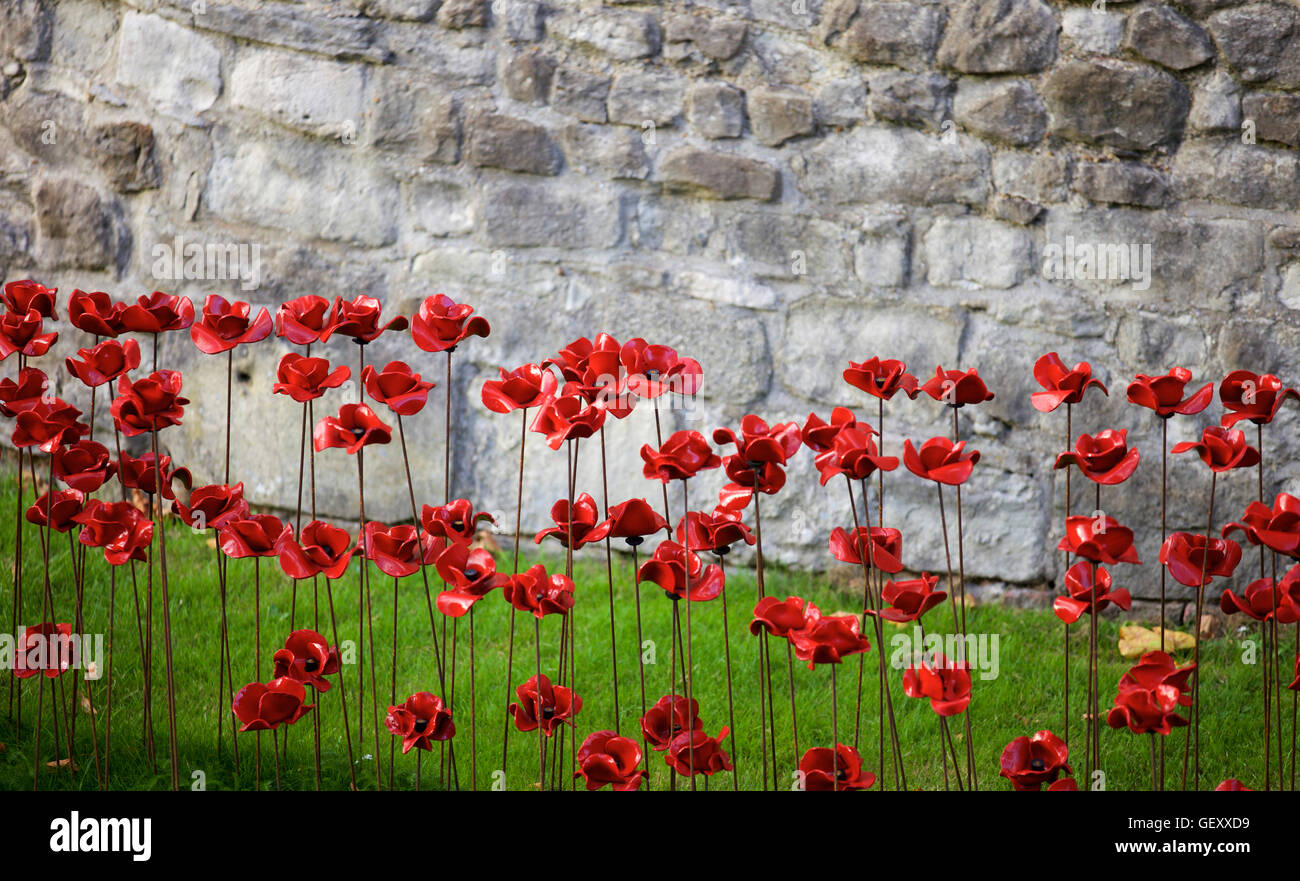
(74, 225)
(529, 215)
(911, 99)
(777, 115)
(999, 36)
(1159, 34)
(972, 251)
(1238, 174)
(1261, 42)
(513, 144)
(580, 93)
(1115, 104)
(1002, 110)
(178, 69)
(638, 98)
(899, 33)
(622, 35)
(879, 164)
(1276, 116)
(719, 175)
(25, 29)
(716, 109)
(323, 98)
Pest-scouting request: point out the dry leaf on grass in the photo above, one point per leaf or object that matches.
(87, 706)
(1135, 641)
(484, 539)
(63, 763)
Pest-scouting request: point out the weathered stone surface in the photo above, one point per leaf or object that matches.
(777, 115)
(524, 19)
(580, 93)
(74, 225)
(618, 34)
(1036, 177)
(1238, 174)
(401, 10)
(25, 28)
(911, 99)
(1015, 209)
(1002, 110)
(877, 164)
(460, 14)
(1092, 32)
(718, 39)
(1216, 104)
(513, 144)
(1161, 35)
(841, 102)
(720, 175)
(1123, 183)
(323, 98)
(1116, 104)
(1276, 116)
(125, 151)
(189, 80)
(899, 33)
(970, 250)
(526, 76)
(999, 36)
(414, 115)
(716, 109)
(1261, 42)
(882, 257)
(289, 26)
(638, 98)
(618, 154)
(527, 215)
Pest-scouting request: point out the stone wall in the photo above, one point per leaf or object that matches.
(772, 186)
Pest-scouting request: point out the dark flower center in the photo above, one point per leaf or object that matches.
(472, 574)
(420, 725)
(458, 525)
(634, 540)
(548, 712)
(652, 374)
(358, 431)
(311, 665)
(1037, 765)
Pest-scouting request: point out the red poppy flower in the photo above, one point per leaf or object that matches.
(940, 460)
(267, 707)
(359, 318)
(157, 313)
(456, 521)
(633, 520)
(946, 683)
(1232, 784)
(45, 649)
(470, 575)
(540, 594)
(149, 404)
(823, 769)
(83, 466)
(521, 388)
(653, 370)
(20, 332)
(48, 424)
(761, 453)
(419, 721)
(27, 295)
(1065, 784)
(668, 569)
(95, 312)
(670, 716)
(1277, 528)
(606, 759)
(1088, 590)
(1104, 458)
(442, 323)
(715, 532)
(1222, 449)
(1029, 762)
(549, 706)
(1100, 539)
(1252, 396)
(819, 436)
(909, 599)
(854, 455)
(1061, 385)
(213, 506)
(399, 550)
(604, 381)
(1260, 600)
(24, 393)
(573, 359)
(782, 617)
(828, 640)
(1186, 555)
(117, 527)
(61, 510)
(225, 325)
(140, 474)
(881, 378)
(253, 535)
(396, 386)
(307, 657)
(566, 417)
(302, 320)
(355, 427)
(306, 379)
(885, 551)
(581, 525)
(1164, 394)
(319, 549)
(957, 388)
(105, 362)
(1150, 694)
(694, 752)
(681, 457)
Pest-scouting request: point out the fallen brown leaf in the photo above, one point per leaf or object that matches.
(87, 707)
(484, 539)
(63, 763)
(1135, 640)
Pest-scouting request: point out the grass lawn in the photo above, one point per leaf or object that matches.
(1025, 696)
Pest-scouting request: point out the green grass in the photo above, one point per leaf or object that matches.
(1025, 697)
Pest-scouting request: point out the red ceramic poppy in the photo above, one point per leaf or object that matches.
(398, 387)
(604, 381)
(1029, 762)
(539, 594)
(61, 510)
(668, 569)
(633, 520)
(566, 417)
(1187, 555)
(470, 574)
(83, 466)
(94, 312)
(399, 550)
(653, 370)
(1104, 458)
(20, 332)
(1065, 784)
(550, 706)
(909, 599)
(606, 759)
(419, 721)
(884, 552)
(761, 452)
(302, 320)
(1150, 694)
(320, 549)
(213, 506)
(881, 378)
(854, 455)
(715, 532)
(1260, 600)
(46, 649)
(946, 683)
(355, 426)
(48, 424)
(306, 379)
(456, 521)
(1232, 784)
(117, 527)
(307, 657)
(681, 457)
(224, 325)
(1061, 384)
(27, 295)
(1277, 528)
(149, 404)
(142, 475)
(823, 769)
(521, 388)
(253, 535)
(940, 460)
(1099, 539)
(582, 526)
(828, 640)
(957, 388)
(819, 435)
(572, 360)
(782, 617)
(1164, 394)
(157, 313)
(267, 707)
(442, 323)
(1222, 449)
(670, 716)
(1253, 396)
(1088, 587)
(694, 752)
(104, 362)
(359, 318)
(24, 393)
